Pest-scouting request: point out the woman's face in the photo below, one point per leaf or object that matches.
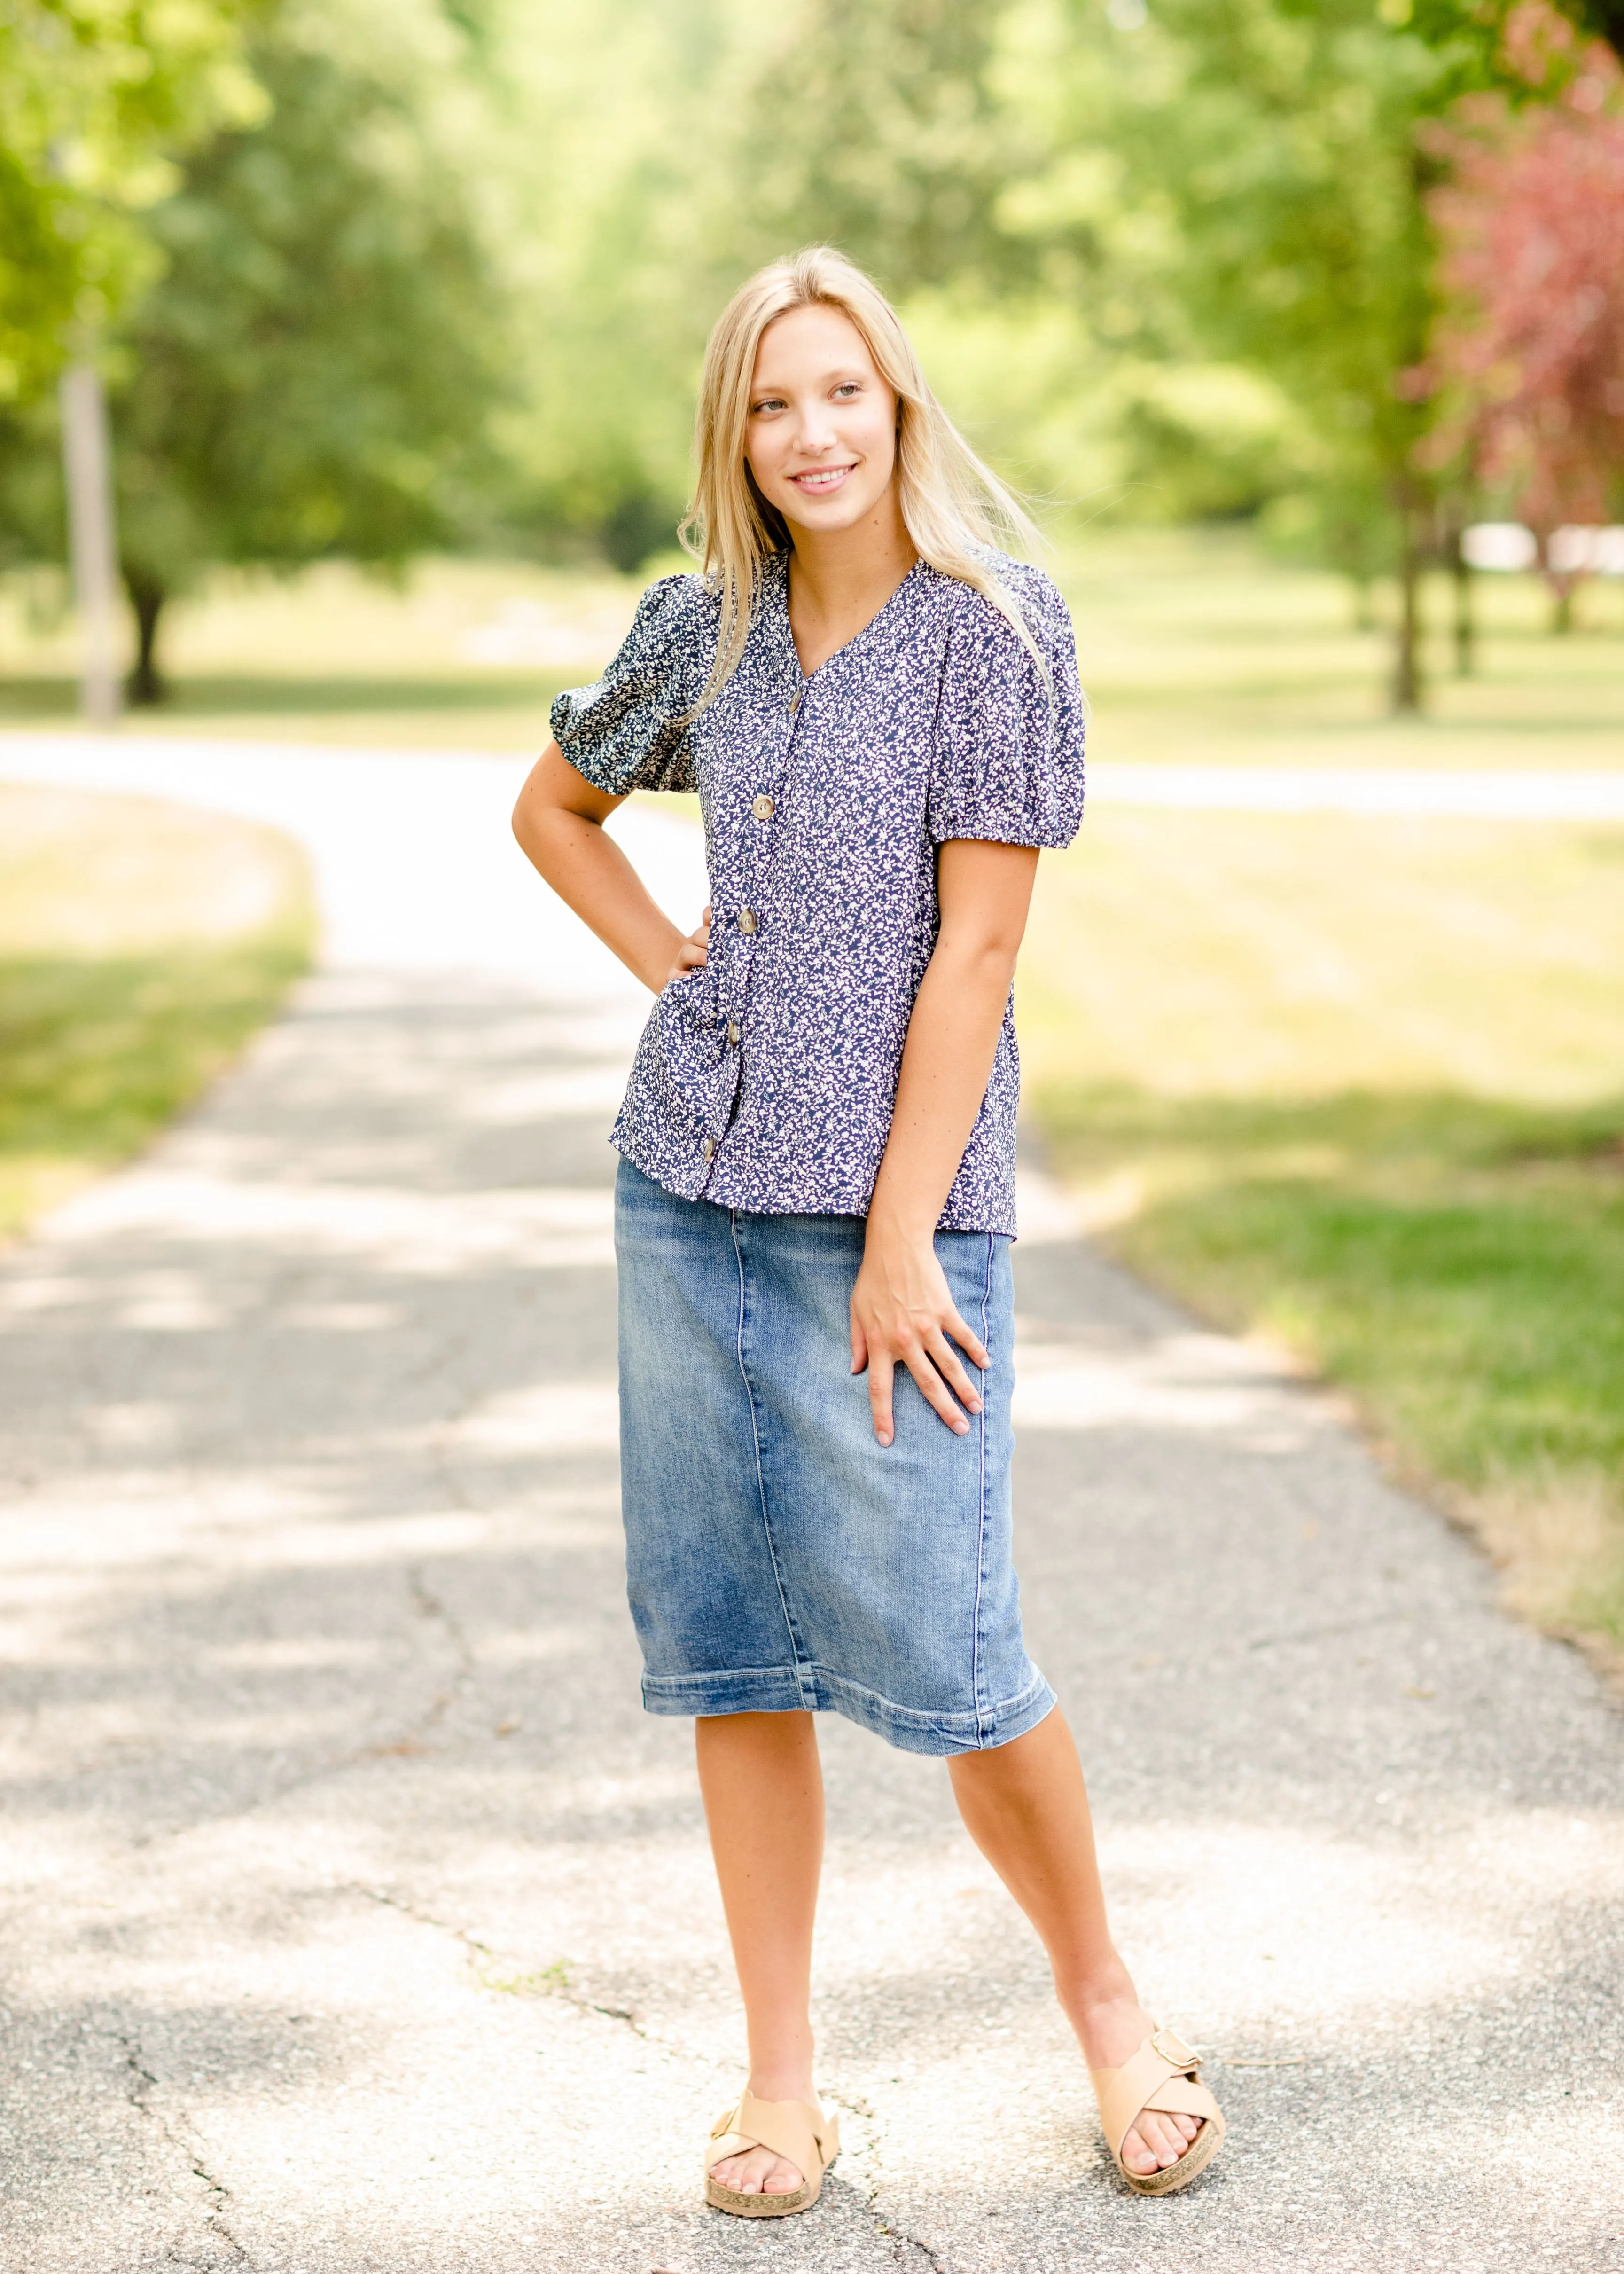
(822, 435)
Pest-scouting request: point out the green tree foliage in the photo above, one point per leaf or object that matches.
(314, 370)
(879, 129)
(1273, 153)
(95, 97)
(622, 193)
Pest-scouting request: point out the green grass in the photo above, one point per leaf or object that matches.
(1195, 646)
(1359, 1088)
(140, 946)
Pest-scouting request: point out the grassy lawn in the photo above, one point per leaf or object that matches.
(1359, 1086)
(1195, 646)
(140, 946)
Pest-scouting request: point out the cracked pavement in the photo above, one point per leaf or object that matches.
(357, 1919)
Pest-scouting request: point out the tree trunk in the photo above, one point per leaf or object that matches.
(1562, 609)
(1407, 655)
(1465, 626)
(147, 685)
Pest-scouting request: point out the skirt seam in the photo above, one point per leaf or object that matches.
(983, 1711)
(761, 1482)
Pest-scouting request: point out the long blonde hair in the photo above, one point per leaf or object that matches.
(953, 505)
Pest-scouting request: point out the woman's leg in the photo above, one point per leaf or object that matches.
(764, 1795)
(1026, 1807)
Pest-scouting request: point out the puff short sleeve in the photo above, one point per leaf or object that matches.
(629, 730)
(1008, 763)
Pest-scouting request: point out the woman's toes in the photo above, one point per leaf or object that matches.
(757, 2172)
(1137, 2154)
(1163, 2138)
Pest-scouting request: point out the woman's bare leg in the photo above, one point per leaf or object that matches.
(1026, 1807)
(764, 1795)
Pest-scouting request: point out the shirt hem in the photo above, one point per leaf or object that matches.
(1001, 1226)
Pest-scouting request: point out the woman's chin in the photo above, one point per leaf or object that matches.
(828, 515)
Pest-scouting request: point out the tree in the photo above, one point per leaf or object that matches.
(1530, 360)
(314, 371)
(95, 99)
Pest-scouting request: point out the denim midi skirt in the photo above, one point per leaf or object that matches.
(779, 1560)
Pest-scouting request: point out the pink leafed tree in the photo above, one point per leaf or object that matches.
(1531, 357)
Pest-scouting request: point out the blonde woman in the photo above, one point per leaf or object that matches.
(815, 1198)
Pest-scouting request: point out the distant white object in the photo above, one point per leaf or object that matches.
(93, 547)
(1504, 546)
(1127, 15)
(1580, 549)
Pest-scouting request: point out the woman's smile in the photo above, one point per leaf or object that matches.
(818, 480)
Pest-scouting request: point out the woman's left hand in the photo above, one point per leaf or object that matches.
(902, 1315)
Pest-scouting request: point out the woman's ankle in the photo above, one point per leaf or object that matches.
(1090, 1997)
(781, 2086)
(781, 2079)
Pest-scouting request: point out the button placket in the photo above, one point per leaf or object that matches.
(755, 855)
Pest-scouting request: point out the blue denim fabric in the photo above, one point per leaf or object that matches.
(778, 1558)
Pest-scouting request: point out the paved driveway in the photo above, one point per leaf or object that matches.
(357, 1919)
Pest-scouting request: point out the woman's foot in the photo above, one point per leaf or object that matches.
(1112, 2032)
(757, 2170)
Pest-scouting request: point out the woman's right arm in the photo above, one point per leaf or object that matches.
(558, 821)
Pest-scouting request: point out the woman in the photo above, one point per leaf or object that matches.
(881, 718)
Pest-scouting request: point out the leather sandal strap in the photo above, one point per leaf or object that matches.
(801, 2135)
(1159, 2077)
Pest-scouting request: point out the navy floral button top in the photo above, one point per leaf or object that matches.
(766, 1080)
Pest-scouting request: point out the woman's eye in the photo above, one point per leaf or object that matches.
(848, 387)
(773, 402)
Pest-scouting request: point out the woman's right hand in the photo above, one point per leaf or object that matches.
(695, 952)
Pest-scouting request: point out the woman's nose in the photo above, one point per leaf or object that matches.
(815, 432)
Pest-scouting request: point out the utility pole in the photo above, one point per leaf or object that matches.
(87, 461)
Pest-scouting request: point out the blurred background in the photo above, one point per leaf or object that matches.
(347, 355)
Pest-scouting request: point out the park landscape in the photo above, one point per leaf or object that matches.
(323, 1738)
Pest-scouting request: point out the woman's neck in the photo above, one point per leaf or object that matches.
(839, 579)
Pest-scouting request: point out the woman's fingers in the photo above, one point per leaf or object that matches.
(945, 1360)
(934, 1390)
(692, 955)
(967, 1339)
(881, 1367)
(935, 1366)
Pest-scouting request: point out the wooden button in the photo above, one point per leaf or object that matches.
(746, 921)
(709, 1148)
(763, 809)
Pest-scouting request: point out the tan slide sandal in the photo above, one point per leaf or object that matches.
(801, 2135)
(1161, 2076)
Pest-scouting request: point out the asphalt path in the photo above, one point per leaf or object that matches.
(357, 1920)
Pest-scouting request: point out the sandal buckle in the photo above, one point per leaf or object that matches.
(1185, 2058)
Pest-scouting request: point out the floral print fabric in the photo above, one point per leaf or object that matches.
(765, 1080)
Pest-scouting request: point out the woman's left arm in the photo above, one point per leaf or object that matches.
(902, 1314)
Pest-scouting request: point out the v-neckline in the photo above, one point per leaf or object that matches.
(858, 636)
